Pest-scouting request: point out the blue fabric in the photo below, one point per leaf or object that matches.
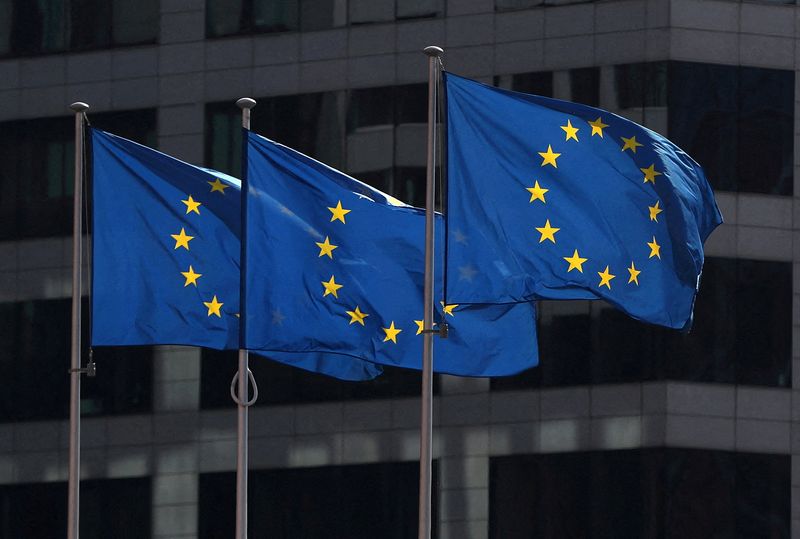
(292, 215)
(140, 295)
(503, 151)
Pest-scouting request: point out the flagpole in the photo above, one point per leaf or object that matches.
(73, 501)
(243, 374)
(426, 420)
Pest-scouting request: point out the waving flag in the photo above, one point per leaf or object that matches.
(549, 199)
(166, 255)
(335, 266)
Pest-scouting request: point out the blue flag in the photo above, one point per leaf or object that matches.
(166, 252)
(333, 265)
(555, 200)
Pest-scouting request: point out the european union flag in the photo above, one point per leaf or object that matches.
(556, 200)
(166, 252)
(346, 274)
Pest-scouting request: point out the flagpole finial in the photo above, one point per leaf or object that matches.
(433, 50)
(79, 106)
(246, 103)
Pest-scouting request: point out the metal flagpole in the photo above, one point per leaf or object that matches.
(75, 350)
(426, 421)
(243, 376)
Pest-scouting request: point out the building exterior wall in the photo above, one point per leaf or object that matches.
(184, 71)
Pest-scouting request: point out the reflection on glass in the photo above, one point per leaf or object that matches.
(367, 500)
(741, 334)
(34, 342)
(664, 492)
(109, 508)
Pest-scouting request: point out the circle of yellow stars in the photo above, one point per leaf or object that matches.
(331, 288)
(547, 232)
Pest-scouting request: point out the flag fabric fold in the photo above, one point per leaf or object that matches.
(549, 199)
(345, 274)
(166, 253)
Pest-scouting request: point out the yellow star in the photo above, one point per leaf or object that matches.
(326, 248)
(421, 325)
(634, 274)
(182, 239)
(605, 278)
(654, 211)
(575, 262)
(213, 306)
(192, 205)
(217, 185)
(331, 287)
(650, 174)
(572, 132)
(537, 192)
(357, 316)
(338, 212)
(630, 144)
(655, 249)
(548, 232)
(549, 157)
(448, 309)
(598, 126)
(191, 277)
(391, 333)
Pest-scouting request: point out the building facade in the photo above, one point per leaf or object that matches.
(624, 430)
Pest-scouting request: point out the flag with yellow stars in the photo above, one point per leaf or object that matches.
(549, 199)
(166, 250)
(333, 265)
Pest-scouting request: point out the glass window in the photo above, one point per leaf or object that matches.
(585, 85)
(368, 500)
(225, 18)
(34, 359)
(747, 112)
(119, 508)
(282, 384)
(310, 123)
(415, 9)
(37, 169)
(386, 133)
(47, 26)
(539, 82)
(664, 492)
(742, 337)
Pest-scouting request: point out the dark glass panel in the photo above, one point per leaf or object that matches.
(90, 24)
(34, 360)
(347, 502)
(226, 17)
(368, 107)
(703, 108)
(741, 334)
(48, 26)
(272, 16)
(37, 169)
(539, 82)
(763, 502)
(585, 85)
(763, 323)
(416, 9)
(765, 128)
(281, 384)
(728, 117)
(641, 493)
(119, 508)
(318, 15)
(699, 494)
(409, 185)
(641, 85)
